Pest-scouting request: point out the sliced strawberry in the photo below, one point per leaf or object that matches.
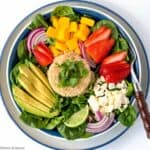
(107, 68)
(41, 47)
(42, 59)
(115, 70)
(102, 33)
(117, 77)
(118, 56)
(98, 51)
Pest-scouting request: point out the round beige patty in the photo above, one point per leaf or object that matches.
(54, 70)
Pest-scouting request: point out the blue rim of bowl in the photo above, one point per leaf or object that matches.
(93, 3)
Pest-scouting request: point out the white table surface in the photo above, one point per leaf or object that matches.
(136, 12)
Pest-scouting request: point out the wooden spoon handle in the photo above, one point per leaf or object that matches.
(144, 112)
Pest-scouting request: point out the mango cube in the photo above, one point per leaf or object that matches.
(62, 35)
(83, 32)
(60, 46)
(54, 21)
(73, 27)
(64, 22)
(87, 21)
(51, 32)
(72, 43)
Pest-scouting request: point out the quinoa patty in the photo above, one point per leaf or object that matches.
(53, 74)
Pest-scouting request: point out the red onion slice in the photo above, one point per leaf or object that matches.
(106, 124)
(36, 36)
(85, 56)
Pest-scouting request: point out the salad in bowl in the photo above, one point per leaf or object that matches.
(72, 75)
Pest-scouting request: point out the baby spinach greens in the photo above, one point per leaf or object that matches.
(33, 120)
(109, 24)
(66, 11)
(130, 88)
(128, 116)
(54, 122)
(121, 44)
(72, 133)
(71, 73)
(38, 21)
(22, 50)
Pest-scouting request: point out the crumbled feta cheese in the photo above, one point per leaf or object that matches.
(111, 86)
(93, 102)
(107, 99)
(102, 101)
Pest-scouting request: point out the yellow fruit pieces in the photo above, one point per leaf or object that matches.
(87, 21)
(67, 33)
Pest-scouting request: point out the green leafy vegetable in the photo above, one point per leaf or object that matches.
(22, 50)
(72, 133)
(108, 24)
(33, 120)
(66, 11)
(54, 122)
(14, 73)
(80, 101)
(71, 73)
(121, 44)
(128, 116)
(130, 89)
(51, 41)
(38, 21)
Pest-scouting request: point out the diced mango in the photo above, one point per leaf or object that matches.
(60, 46)
(73, 27)
(55, 51)
(87, 21)
(62, 35)
(72, 43)
(51, 32)
(64, 22)
(54, 21)
(83, 32)
(77, 50)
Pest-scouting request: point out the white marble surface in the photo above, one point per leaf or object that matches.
(136, 12)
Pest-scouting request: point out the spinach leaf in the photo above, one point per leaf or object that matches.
(69, 111)
(128, 116)
(54, 122)
(50, 41)
(22, 50)
(109, 24)
(66, 11)
(121, 44)
(130, 88)
(33, 120)
(38, 21)
(80, 101)
(14, 73)
(71, 73)
(72, 133)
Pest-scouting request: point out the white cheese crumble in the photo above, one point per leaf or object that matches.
(109, 96)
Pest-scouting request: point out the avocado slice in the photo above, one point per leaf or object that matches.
(27, 85)
(39, 86)
(21, 94)
(29, 104)
(41, 76)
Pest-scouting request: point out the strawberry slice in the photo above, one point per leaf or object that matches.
(102, 33)
(42, 59)
(98, 51)
(117, 77)
(108, 68)
(115, 72)
(118, 56)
